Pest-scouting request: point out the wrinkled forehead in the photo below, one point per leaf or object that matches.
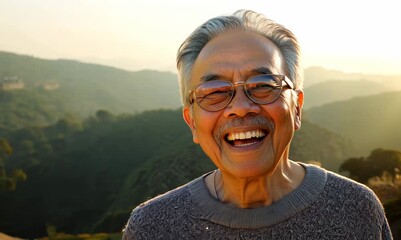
(238, 51)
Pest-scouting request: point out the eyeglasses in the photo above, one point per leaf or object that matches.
(215, 95)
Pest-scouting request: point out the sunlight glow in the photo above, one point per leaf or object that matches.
(354, 36)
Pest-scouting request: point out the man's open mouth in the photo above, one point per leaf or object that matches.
(245, 138)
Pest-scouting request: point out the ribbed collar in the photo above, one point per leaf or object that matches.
(217, 212)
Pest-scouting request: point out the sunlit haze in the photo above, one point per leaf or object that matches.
(352, 36)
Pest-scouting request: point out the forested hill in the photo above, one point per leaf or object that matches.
(86, 176)
(370, 121)
(36, 92)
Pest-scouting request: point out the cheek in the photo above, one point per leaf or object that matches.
(285, 110)
(205, 124)
(282, 117)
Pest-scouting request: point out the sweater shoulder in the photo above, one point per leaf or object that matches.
(353, 207)
(352, 193)
(163, 209)
(164, 201)
(347, 186)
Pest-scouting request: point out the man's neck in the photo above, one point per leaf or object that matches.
(258, 191)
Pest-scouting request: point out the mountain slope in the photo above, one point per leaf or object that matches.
(337, 90)
(370, 121)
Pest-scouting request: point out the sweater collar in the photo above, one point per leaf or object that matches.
(212, 210)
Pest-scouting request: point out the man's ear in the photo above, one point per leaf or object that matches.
(186, 113)
(298, 109)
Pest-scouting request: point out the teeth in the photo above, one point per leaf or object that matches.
(245, 135)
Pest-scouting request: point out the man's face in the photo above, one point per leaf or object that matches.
(268, 129)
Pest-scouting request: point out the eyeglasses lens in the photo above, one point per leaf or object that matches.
(214, 95)
(263, 89)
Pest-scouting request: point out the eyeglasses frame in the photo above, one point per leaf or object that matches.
(283, 78)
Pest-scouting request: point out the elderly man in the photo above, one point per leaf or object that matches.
(241, 88)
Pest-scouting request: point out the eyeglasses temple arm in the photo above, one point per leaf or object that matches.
(289, 82)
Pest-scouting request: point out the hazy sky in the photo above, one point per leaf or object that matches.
(348, 35)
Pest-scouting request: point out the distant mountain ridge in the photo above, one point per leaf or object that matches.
(313, 75)
(338, 90)
(38, 92)
(323, 86)
(79, 88)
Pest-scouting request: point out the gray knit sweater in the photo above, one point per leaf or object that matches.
(324, 206)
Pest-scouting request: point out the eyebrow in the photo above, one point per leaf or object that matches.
(262, 70)
(213, 76)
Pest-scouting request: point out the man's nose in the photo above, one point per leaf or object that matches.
(241, 105)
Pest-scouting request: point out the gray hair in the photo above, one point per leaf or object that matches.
(245, 20)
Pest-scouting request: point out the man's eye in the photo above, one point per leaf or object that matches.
(214, 97)
(262, 87)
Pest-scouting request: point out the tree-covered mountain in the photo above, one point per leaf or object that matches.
(75, 168)
(37, 92)
(370, 121)
(86, 176)
(86, 172)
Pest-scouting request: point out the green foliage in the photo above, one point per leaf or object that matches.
(97, 236)
(5, 147)
(376, 164)
(19, 175)
(385, 161)
(104, 116)
(8, 183)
